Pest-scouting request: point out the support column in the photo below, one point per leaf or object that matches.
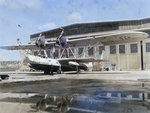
(127, 52)
(117, 47)
(142, 67)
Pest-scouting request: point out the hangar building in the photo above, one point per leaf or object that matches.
(129, 56)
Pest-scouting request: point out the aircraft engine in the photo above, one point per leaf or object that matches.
(63, 41)
(40, 43)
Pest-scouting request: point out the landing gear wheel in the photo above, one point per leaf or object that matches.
(52, 73)
(46, 72)
(78, 71)
(58, 72)
(51, 70)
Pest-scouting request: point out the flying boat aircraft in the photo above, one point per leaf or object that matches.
(73, 64)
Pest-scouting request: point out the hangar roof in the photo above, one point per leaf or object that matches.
(90, 27)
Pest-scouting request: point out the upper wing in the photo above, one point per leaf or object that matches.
(108, 38)
(19, 47)
(82, 60)
(26, 46)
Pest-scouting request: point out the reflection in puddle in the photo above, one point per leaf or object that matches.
(54, 103)
(100, 103)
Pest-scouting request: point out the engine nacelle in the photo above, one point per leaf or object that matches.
(63, 41)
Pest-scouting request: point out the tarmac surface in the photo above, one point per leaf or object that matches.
(96, 92)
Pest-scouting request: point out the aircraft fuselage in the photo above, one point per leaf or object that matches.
(52, 65)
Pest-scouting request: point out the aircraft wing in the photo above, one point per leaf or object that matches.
(82, 60)
(19, 47)
(26, 46)
(108, 38)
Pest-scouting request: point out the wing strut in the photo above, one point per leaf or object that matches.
(72, 52)
(45, 54)
(89, 48)
(62, 53)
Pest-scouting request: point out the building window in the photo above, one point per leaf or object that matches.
(133, 48)
(121, 49)
(101, 48)
(147, 47)
(113, 49)
(90, 51)
(80, 51)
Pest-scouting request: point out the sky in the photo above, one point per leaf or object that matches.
(40, 15)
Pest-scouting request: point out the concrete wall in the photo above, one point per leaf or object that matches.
(146, 55)
(126, 61)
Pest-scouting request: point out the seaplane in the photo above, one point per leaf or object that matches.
(50, 65)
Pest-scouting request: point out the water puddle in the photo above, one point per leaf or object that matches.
(104, 102)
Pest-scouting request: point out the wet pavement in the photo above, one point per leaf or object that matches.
(84, 93)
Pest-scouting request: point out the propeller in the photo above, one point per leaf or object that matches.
(42, 44)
